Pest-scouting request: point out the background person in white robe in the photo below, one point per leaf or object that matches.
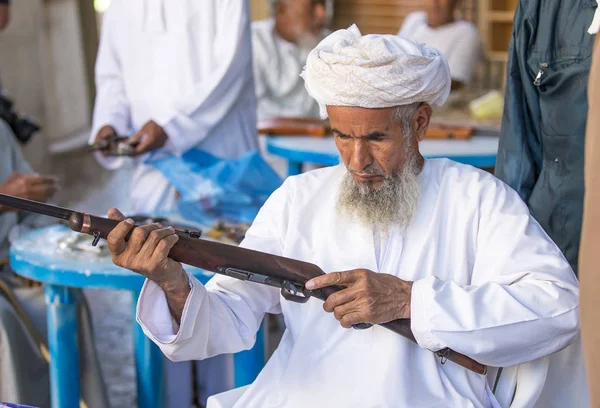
(458, 40)
(280, 46)
(442, 243)
(24, 372)
(175, 75)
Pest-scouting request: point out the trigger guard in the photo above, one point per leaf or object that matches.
(362, 326)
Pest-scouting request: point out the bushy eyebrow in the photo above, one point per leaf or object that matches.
(370, 136)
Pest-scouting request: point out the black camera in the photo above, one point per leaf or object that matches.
(23, 126)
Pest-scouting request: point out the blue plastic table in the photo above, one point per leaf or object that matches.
(35, 255)
(479, 151)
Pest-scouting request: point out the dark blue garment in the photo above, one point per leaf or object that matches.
(543, 128)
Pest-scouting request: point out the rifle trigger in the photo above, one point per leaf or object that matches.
(193, 233)
(289, 291)
(96, 238)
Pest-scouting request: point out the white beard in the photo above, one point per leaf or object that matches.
(393, 204)
(307, 42)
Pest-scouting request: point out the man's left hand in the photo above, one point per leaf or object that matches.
(150, 137)
(368, 297)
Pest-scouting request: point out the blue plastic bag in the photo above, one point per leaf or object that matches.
(233, 190)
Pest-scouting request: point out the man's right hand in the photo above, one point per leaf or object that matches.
(29, 186)
(105, 132)
(147, 253)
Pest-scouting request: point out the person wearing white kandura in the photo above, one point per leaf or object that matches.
(444, 244)
(176, 75)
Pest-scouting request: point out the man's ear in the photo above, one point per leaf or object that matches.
(420, 121)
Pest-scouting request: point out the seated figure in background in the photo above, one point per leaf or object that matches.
(280, 46)
(458, 40)
(24, 371)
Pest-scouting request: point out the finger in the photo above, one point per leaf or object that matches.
(330, 279)
(104, 133)
(42, 192)
(139, 237)
(41, 187)
(37, 179)
(154, 238)
(116, 238)
(340, 311)
(115, 214)
(164, 247)
(145, 145)
(351, 319)
(139, 136)
(339, 298)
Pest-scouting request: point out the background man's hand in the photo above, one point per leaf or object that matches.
(29, 186)
(368, 297)
(105, 132)
(150, 137)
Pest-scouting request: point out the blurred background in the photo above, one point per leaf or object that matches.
(49, 49)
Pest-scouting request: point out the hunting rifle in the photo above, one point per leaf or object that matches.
(289, 275)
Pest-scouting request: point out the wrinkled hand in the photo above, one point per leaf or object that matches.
(105, 132)
(368, 297)
(29, 186)
(147, 253)
(150, 137)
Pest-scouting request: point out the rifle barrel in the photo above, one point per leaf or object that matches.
(35, 207)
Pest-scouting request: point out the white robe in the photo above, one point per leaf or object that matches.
(488, 283)
(280, 90)
(277, 63)
(185, 64)
(458, 41)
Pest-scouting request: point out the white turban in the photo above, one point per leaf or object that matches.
(375, 71)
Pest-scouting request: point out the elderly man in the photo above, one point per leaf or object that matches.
(444, 244)
(177, 75)
(280, 46)
(458, 40)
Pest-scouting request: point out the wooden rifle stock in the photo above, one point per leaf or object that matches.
(288, 274)
(218, 257)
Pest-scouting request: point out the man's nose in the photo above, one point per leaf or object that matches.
(320, 13)
(361, 155)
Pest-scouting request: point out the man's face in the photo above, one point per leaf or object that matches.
(371, 144)
(381, 187)
(304, 19)
(441, 7)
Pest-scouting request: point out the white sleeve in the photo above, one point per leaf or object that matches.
(522, 303)
(112, 105)
(193, 117)
(225, 316)
(464, 54)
